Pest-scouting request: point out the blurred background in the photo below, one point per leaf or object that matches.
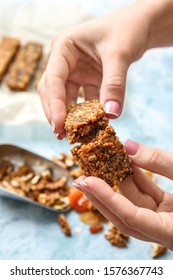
(26, 231)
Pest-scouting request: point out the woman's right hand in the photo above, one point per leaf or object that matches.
(96, 55)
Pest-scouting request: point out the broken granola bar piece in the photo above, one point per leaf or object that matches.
(104, 157)
(8, 49)
(84, 120)
(62, 221)
(24, 66)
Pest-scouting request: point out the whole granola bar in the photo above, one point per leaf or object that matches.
(24, 66)
(8, 49)
(84, 120)
(104, 157)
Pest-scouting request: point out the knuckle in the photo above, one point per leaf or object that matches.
(121, 53)
(63, 39)
(115, 82)
(52, 81)
(156, 158)
(129, 222)
(123, 229)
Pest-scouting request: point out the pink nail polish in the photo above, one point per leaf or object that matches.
(112, 108)
(131, 147)
(53, 126)
(77, 186)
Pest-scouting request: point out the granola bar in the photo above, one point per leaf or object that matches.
(8, 49)
(104, 157)
(84, 120)
(24, 66)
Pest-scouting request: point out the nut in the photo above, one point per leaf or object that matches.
(62, 221)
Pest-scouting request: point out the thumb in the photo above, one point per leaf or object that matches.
(152, 159)
(113, 85)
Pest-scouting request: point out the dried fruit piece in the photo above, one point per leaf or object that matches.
(78, 200)
(95, 228)
(89, 217)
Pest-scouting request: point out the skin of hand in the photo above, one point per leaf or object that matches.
(141, 209)
(96, 55)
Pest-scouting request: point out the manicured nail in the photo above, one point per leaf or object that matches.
(58, 136)
(81, 184)
(112, 108)
(77, 186)
(131, 147)
(53, 126)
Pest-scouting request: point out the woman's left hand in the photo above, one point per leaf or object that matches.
(141, 209)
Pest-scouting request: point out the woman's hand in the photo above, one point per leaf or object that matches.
(141, 209)
(95, 55)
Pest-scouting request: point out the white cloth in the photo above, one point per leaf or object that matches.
(38, 20)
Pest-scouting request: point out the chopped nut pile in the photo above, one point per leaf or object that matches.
(41, 187)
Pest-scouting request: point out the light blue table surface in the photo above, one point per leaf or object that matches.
(28, 232)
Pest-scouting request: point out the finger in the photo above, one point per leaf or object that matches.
(140, 189)
(44, 98)
(157, 226)
(61, 62)
(91, 92)
(115, 220)
(113, 85)
(154, 160)
(72, 90)
(119, 210)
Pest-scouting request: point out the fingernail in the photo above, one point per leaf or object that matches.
(112, 108)
(53, 126)
(58, 136)
(131, 147)
(77, 186)
(81, 185)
